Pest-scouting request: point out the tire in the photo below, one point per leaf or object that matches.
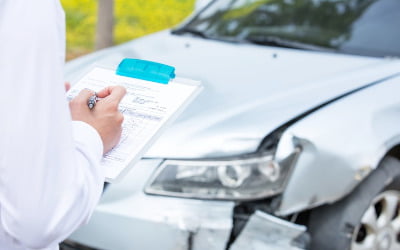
(350, 224)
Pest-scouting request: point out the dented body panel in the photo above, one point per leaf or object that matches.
(341, 144)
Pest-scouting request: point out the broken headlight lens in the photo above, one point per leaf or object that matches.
(238, 179)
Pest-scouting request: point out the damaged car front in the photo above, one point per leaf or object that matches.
(299, 107)
(142, 212)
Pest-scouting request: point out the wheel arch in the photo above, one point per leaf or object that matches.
(394, 152)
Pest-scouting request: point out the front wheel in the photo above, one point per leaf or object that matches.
(366, 219)
(380, 224)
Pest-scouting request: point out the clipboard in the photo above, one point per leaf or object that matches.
(155, 98)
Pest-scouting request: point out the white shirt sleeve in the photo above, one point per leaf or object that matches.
(50, 176)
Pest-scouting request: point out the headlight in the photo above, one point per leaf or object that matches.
(237, 179)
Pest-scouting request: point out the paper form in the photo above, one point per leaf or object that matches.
(146, 107)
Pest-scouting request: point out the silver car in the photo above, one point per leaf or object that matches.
(293, 144)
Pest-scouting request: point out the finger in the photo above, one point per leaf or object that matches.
(84, 95)
(116, 93)
(104, 92)
(67, 86)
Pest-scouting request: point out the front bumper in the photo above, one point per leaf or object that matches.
(127, 218)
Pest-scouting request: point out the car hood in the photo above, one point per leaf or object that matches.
(249, 90)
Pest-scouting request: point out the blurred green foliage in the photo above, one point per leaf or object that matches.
(133, 19)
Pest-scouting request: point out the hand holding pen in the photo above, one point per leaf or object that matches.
(100, 110)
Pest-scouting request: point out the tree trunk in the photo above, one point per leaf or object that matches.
(105, 24)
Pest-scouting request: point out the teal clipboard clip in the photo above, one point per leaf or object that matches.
(146, 70)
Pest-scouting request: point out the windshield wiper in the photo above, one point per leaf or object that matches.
(283, 43)
(186, 30)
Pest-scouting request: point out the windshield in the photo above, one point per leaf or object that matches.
(363, 27)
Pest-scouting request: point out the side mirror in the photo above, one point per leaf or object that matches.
(200, 4)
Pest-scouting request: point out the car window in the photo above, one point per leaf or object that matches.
(364, 27)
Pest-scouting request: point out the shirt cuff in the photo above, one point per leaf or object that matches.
(85, 134)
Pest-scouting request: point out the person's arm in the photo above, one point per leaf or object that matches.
(50, 178)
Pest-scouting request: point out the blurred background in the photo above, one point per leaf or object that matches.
(131, 19)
